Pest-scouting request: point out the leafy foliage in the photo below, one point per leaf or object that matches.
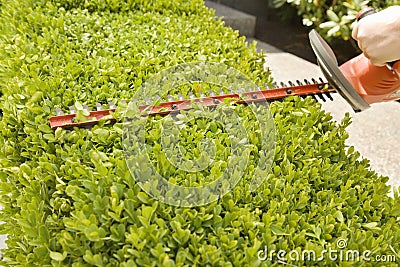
(68, 196)
(178, 7)
(332, 19)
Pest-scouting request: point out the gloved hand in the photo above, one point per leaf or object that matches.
(378, 36)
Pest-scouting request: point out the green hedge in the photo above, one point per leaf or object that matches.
(177, 7)
(68, 196)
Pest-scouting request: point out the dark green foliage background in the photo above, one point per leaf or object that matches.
(332, 19)
(68, 197)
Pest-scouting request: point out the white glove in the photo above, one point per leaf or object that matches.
(378, 36)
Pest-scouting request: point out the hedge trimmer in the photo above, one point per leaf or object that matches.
(358, 81)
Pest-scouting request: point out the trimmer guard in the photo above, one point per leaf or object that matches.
(328, 63)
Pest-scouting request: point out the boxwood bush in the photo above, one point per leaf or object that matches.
(68, 197)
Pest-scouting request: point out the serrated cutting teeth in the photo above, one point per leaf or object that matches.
(99, 107)
(59, 112)
(321, 96)
(111, 105)
(252, 94)
(146, 100)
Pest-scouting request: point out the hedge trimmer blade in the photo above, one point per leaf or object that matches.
(313, 88)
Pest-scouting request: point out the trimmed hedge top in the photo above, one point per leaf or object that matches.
(69, 198)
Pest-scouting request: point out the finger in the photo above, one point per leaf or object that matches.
(354, 33)
(360, 45)
(367, 55)
(377, 62)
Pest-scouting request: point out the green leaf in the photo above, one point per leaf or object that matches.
(339, 216)
(328, 24)
(78, 106)
(333, 31)
(37, 96)
(277, 230)
(332, 15)
(49, 137)
(57, 256)
(143, 197)
(95, 259)
(371, 225)
(147, 212)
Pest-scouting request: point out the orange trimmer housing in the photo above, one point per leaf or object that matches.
(374, 84)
